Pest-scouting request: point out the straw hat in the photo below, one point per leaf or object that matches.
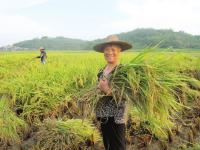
(42, 48)
(112, 39)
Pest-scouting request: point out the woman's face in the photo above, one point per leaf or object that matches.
(112, 53)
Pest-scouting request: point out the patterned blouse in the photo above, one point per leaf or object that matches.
(107, 107)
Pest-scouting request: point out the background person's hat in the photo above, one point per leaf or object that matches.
(112, 39)
(42, 48)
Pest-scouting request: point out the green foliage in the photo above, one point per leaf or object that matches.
(140, 38)
(60, 43)
(149, 37)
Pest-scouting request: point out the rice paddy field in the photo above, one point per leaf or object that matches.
(51, 106)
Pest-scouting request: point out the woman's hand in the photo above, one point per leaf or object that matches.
(104, 86)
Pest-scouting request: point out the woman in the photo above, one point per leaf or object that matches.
(110, 114)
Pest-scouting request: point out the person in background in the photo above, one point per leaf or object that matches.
(43, 55)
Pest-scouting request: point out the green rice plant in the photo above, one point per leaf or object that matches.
(11, 126)
(69, 134)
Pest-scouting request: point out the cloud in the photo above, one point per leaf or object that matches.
(16, 25)
(14, 28)
(12, 5)
(175, 14)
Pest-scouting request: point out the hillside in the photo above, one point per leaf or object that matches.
(59, 43)
(140, 38)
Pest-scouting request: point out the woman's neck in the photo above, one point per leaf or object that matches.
(111, 65)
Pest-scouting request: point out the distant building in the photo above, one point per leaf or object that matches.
(12, 48)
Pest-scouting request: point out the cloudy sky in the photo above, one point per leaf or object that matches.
(91, 19)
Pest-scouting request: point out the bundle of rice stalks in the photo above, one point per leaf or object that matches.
(87, 100)
(70, 134)
(11, 127)
(150, 87)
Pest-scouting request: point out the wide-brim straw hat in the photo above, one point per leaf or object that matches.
(112, 39)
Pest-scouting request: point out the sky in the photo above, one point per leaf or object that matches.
(92, 19)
